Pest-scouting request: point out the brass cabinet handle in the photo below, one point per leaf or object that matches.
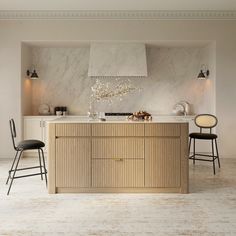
(118, 159)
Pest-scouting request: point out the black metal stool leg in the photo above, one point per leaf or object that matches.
(189, 146)
(213, 156)
(12, 166)
(14, 173)
(194, 151)
(40, 164)
(217, 153)
(45, 170)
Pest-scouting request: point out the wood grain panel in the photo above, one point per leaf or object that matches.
(73, 162)
(51, 159)
(121, 173)
(113, 147)
(163, 129)
(73, 130)
(184, 158)
(118, 190)
(162, 162)
(118, 129)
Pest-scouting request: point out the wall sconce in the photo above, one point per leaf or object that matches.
(204, 73)
(32, 74)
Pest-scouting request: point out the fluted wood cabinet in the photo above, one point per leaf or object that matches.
(118, 157)
(73, 162)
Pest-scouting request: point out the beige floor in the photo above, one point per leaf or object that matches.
(210, 208)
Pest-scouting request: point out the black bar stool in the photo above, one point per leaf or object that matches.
(20, 148)
(205, 121)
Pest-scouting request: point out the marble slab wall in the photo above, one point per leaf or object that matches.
(171, 78)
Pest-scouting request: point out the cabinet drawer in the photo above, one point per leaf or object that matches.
(73, 130)
(118, 130)
(117, 147)
(117, 173)
(162, 129)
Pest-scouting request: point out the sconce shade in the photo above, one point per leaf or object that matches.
(201, 75)
(33, 75)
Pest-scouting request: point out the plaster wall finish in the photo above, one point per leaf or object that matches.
(119, 59)
(223, 33)
(171, 78)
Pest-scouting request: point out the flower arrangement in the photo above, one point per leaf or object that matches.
(107, 90)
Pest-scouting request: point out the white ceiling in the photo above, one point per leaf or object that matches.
(168, 5)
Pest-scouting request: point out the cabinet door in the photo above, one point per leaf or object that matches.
(73, 162)
(32, 128)
(162, 162)
(115, 173)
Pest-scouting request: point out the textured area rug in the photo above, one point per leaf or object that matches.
(209, 210)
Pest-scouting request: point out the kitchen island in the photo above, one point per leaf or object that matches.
(118, 156)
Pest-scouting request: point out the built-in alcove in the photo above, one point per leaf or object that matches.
(172, 71)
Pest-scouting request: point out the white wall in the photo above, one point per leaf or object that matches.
(12, 33)
(26, 83)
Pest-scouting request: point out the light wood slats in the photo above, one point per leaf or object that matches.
(118, 129)
(112, 173)
(73, 162)
(184, 159)
(162, 162)
(123, 159)
(162, 129)
(52, 159)
(73, 130)
(113, 147)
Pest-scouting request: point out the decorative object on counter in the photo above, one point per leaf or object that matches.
(64, 111)
(204, 72)
(59, 111)
(181, 108)
(44, 109)
(32, 74)
(107, 90)
(91, 113)
(140, 115)
(101, 116)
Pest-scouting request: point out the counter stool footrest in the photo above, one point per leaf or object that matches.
(199, 159)
(26, 168)
(22, 176)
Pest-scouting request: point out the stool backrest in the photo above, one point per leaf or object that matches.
(206, 121)
(13, 131)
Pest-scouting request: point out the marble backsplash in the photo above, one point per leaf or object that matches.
(171, 78)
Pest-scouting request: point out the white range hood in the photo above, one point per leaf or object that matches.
(117, 59)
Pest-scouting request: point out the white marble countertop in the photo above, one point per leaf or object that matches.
(156, 119)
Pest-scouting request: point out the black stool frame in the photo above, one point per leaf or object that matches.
(19, 151)
(213, 141)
